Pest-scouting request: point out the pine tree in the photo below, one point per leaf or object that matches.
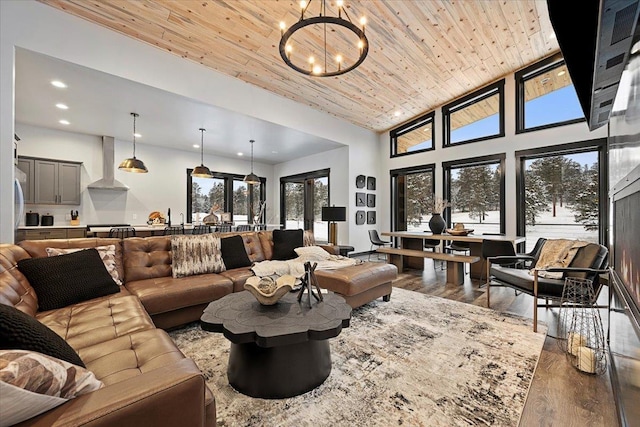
(419, 198)
(586, 206)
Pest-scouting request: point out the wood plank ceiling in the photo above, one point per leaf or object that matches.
(423, 54)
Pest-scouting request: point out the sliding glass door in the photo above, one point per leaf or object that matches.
(412, 198)
(302, 198)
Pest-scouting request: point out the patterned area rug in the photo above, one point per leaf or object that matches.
(414, 361)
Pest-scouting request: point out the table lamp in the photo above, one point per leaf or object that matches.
(333, 214)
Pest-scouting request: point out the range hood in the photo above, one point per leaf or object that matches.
(595, 37)
(108, 181)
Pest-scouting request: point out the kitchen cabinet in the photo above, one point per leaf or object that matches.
(51, 182)
(27, 166)
(40, 233)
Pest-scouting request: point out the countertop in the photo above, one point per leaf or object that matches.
(49, 227)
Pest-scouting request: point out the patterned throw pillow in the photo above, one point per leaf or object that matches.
(196, 254)
(107, 253)
(33, 383)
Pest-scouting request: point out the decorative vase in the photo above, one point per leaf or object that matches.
(437, 224)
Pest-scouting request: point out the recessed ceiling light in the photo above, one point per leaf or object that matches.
(240, 154)
(545, 80)
(561, 73)
(62, 106)
(552, 36)
(137, 135)
(196, 146)
(58, 83)
(64, 122)
(397, 113)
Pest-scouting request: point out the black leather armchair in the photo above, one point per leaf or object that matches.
(589, 262)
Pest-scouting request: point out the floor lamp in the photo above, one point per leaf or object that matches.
(333, 214)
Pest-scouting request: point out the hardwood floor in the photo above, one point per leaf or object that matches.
(559, 394)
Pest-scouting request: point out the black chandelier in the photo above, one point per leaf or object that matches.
(328, 25)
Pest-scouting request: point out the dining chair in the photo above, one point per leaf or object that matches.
(201, 229)
(376, 241)
(433, 244)
(174, 229)
(456, 246)
(122, 232)
(223, 228)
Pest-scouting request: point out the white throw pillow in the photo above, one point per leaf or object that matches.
(312, 253)
(107, 254)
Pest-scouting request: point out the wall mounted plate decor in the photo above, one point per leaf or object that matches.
(359, 217)
(361, 199)
(360, 181)
(371, 200)
(371, 183)
(371, 217)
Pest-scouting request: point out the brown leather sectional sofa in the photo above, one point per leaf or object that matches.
(121, 337)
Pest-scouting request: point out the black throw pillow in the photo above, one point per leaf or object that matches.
(285, 242)
(19, 331)
(67, 279)
(234, 254)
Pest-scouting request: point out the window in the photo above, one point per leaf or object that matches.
(413, 137)
(476, 117)
(301, 200)
(475, 188)
(223, 193)
(559, 192)
(545, 96)
(413, 190)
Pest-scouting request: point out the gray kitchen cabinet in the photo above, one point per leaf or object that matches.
(52, 182)
(27, 166)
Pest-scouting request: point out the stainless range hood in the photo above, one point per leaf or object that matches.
(108, 181)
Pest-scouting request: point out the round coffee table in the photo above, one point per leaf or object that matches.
(279, 350)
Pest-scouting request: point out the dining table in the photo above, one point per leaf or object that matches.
(415, 240)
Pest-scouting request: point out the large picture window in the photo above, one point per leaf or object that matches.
(223, 193)
(476, 117)
(560, 190)
(545, 96)
(414, 137)
(413, 190)
(475, 188)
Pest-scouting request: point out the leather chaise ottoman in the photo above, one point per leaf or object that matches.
(360, 283)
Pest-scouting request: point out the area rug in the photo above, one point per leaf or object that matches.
(413, 361)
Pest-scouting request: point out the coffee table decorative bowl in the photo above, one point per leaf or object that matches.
(279, 350)
(268, 290)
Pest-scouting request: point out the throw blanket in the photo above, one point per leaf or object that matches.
(295, 267)
(556, 253)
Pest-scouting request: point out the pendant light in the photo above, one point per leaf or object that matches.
(252, 178)
(132, 164)
(201, 171)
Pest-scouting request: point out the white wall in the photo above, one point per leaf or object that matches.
(41, 28)
(162, 188)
